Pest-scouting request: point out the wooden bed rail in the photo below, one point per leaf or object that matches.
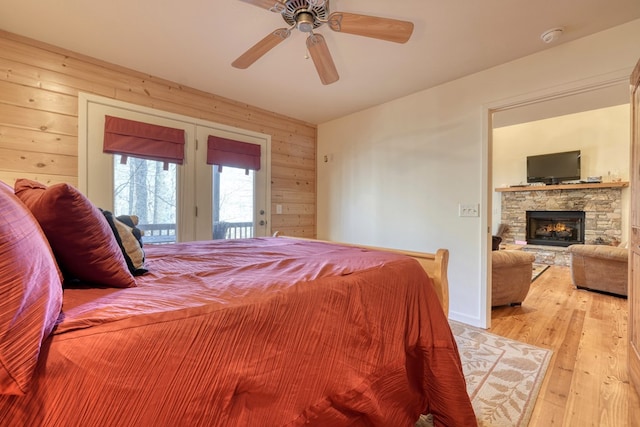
(435, 265)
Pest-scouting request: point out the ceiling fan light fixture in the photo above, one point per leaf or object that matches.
(305, 22)
(316, 3)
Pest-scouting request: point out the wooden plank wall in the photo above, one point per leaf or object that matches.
(39, 86)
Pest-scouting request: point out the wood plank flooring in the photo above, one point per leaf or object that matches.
(587, 383)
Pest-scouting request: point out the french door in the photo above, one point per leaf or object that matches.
(192, 201)
(234, 201)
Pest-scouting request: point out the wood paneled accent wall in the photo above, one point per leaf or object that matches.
(39, 86)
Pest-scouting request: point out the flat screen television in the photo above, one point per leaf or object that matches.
(553, 168)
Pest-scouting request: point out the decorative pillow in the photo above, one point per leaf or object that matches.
(30, 293)
(129, 238)
(79, 234)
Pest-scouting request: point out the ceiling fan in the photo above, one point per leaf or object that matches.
(306, 16)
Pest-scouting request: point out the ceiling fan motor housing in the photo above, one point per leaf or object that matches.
(305, 17)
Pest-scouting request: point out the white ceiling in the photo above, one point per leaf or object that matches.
(193, 42)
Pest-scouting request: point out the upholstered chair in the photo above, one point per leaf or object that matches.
(511, 272)
(600, 268)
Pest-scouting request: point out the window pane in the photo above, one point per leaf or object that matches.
(144, 188)
(233, 201)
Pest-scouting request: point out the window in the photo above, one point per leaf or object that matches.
(233, 197)
(148, 190)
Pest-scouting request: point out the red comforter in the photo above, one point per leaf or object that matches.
(258, 332)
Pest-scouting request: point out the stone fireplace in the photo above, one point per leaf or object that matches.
(555, 228)
(601, 224)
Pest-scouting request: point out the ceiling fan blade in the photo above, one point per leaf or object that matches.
(259, 49)
(392, 30)
(322, 59)
(272, 5)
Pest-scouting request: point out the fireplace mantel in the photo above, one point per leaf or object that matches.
(584, 186)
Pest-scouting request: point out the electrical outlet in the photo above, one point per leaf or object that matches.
(468, 209)
(278, 209)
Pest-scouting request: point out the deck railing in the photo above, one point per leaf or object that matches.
(166, 233)
(232, 230)
(158, 233)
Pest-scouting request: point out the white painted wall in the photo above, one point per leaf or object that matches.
(601, 135)
(396, 172)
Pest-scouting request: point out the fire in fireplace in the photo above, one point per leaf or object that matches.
(555, 228)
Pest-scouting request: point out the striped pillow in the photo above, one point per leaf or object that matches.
(30, 293)
(129, 238)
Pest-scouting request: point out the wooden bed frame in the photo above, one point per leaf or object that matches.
(435, 265)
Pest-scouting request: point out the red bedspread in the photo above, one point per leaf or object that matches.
(258, 332)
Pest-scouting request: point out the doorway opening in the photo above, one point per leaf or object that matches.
(521, 110)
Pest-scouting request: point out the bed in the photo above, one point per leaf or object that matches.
(258, 332)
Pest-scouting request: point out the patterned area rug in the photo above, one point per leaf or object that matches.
(538, 269)
(503, 376)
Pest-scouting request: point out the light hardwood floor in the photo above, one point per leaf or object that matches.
(587, 382)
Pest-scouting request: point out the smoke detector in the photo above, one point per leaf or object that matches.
(552, 35)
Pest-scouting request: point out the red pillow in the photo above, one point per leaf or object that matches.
(78, 232)
(30, 293)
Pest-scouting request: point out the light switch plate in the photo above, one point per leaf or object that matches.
(472, 209)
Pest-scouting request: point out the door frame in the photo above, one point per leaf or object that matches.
(488, 109)
(633, 357)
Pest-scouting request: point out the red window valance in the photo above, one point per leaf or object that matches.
(144, 140)
(237, 154)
